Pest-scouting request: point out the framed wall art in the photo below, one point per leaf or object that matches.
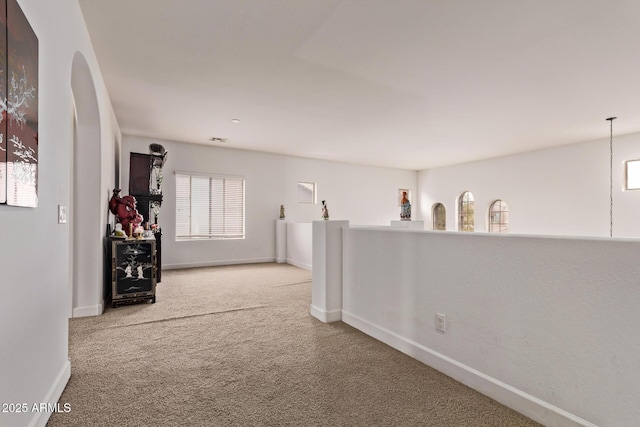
(18, 108)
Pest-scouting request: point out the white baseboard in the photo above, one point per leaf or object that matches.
(299, 264)
(53, 395)
(530, 406)
(216, 263)
(88, 310)
(325, 316)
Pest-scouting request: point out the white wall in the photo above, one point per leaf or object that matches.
(96, 142)
(366, 195)
(562, 190)
(300, 244)
(542, 324)
(34, 248)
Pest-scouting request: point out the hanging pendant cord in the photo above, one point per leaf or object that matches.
(611, 119)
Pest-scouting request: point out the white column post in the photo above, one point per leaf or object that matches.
(326, 290)
(281, 241)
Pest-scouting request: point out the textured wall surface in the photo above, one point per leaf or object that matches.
(554, 318)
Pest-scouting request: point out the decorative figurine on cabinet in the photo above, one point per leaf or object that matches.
(125, 209)
(325, 211)
(119, 232)
(281, 211)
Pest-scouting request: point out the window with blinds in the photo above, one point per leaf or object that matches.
(209, 207)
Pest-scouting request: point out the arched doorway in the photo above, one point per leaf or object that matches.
(86, 196)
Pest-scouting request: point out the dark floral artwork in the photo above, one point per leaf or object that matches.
(3, 101)
(19, 107)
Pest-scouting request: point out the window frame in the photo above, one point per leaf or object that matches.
(503, 215)
(228, 211)
(466, 216)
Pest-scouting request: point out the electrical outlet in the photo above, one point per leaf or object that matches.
(441, 322)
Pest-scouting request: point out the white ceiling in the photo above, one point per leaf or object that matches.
(411, 84)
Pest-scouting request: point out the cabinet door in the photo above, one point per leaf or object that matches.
(133, 264)
(139, 173)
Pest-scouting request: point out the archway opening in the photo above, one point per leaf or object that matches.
(85, 229)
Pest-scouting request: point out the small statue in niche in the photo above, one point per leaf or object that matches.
(158, 158)
(325, 211)
(281, 211)
(155, 207)
(156, 180)
(405, 207)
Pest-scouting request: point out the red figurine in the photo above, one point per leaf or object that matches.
(125, 209)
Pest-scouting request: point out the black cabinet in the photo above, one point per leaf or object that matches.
(133, 271)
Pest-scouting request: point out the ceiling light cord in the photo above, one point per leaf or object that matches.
(611, 119)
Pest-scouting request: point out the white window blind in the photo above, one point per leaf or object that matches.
(209, 207)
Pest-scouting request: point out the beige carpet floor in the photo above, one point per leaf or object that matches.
(236, 346)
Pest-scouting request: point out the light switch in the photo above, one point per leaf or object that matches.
(62, 214)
